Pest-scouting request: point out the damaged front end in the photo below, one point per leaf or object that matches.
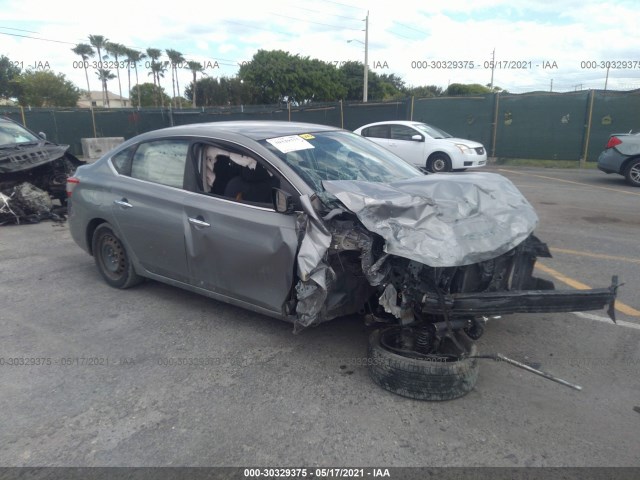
(30, 165)
(436, 255)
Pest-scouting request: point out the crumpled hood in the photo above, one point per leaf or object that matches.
(25, 157)
(441, 220)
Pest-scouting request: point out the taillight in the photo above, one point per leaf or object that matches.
(613, 141)
(71, 184)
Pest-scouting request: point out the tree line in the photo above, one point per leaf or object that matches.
(270, 77)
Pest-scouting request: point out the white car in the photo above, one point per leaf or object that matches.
(425, 146)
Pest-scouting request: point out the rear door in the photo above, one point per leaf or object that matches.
(147, 204)
(378, 134)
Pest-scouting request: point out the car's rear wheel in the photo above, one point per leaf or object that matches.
(632, 173)
(445, 376)
(112, 259)
(439, 162)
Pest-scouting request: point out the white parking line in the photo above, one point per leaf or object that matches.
(620, 323)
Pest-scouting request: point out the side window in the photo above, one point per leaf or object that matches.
(402, 132)
(161, 161)
(121, 161)
(231, 174)
(377, 131)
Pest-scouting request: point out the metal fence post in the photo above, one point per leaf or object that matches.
(93, 121)
(585, 150)
(412, 100)
(341, 115)
(495, 124)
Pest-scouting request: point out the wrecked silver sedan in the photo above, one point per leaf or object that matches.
(308, 223)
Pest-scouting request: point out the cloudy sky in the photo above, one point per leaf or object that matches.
(537, 44)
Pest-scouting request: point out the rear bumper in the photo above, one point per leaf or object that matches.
(610, 161)
(523, 301)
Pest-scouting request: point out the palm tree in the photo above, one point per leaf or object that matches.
(116, 49)
(127, 54)
(175, 58)
(104, 76)
(195, 67)
(134, 57)
(85, 51)
(154, 55)
(99, 42)
(159, 68)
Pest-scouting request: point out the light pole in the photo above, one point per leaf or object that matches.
(365, 89)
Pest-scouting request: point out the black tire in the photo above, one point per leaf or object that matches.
(632, 173)
(112, 259)
(422, 379)
(438, 163)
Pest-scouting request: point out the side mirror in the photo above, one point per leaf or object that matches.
(417, 138)
(42, 135)
(282, 201)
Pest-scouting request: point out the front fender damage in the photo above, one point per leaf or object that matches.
(423, 250)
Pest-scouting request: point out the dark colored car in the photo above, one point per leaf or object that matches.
(308, 223)
(622, 156)
(29, 157)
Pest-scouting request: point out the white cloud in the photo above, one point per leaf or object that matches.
(564, 32)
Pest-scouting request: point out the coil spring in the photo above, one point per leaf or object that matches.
(424, 339)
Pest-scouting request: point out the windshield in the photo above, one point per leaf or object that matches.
(338, 155)
(13, 133)
(433, 132)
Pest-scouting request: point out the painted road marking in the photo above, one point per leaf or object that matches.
(621, 307)
(594, 255)
(569, 181)
(598, 318)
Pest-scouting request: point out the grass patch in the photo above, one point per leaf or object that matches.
(532, 162)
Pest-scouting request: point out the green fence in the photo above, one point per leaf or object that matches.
(559, 126)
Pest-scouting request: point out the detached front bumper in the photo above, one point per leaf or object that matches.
(523, 301)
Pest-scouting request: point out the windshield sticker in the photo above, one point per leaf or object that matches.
(307, 136)
(290, 143)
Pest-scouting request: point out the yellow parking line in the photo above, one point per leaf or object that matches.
(621, 307)
(594, 255)
(568, 181)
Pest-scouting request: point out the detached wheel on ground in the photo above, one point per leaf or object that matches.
(439, 162)
(111, 258)
(428, 378)
(632, 174)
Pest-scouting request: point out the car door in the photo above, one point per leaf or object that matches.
(241, 250)
(401, 143)
(378, 134)
(147, 204)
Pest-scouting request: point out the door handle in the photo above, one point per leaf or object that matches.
(123, 203)
(198, 222)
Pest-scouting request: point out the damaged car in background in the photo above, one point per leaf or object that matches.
(308, 223)
(33, 171)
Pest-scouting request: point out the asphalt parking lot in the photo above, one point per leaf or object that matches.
(157, 376)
